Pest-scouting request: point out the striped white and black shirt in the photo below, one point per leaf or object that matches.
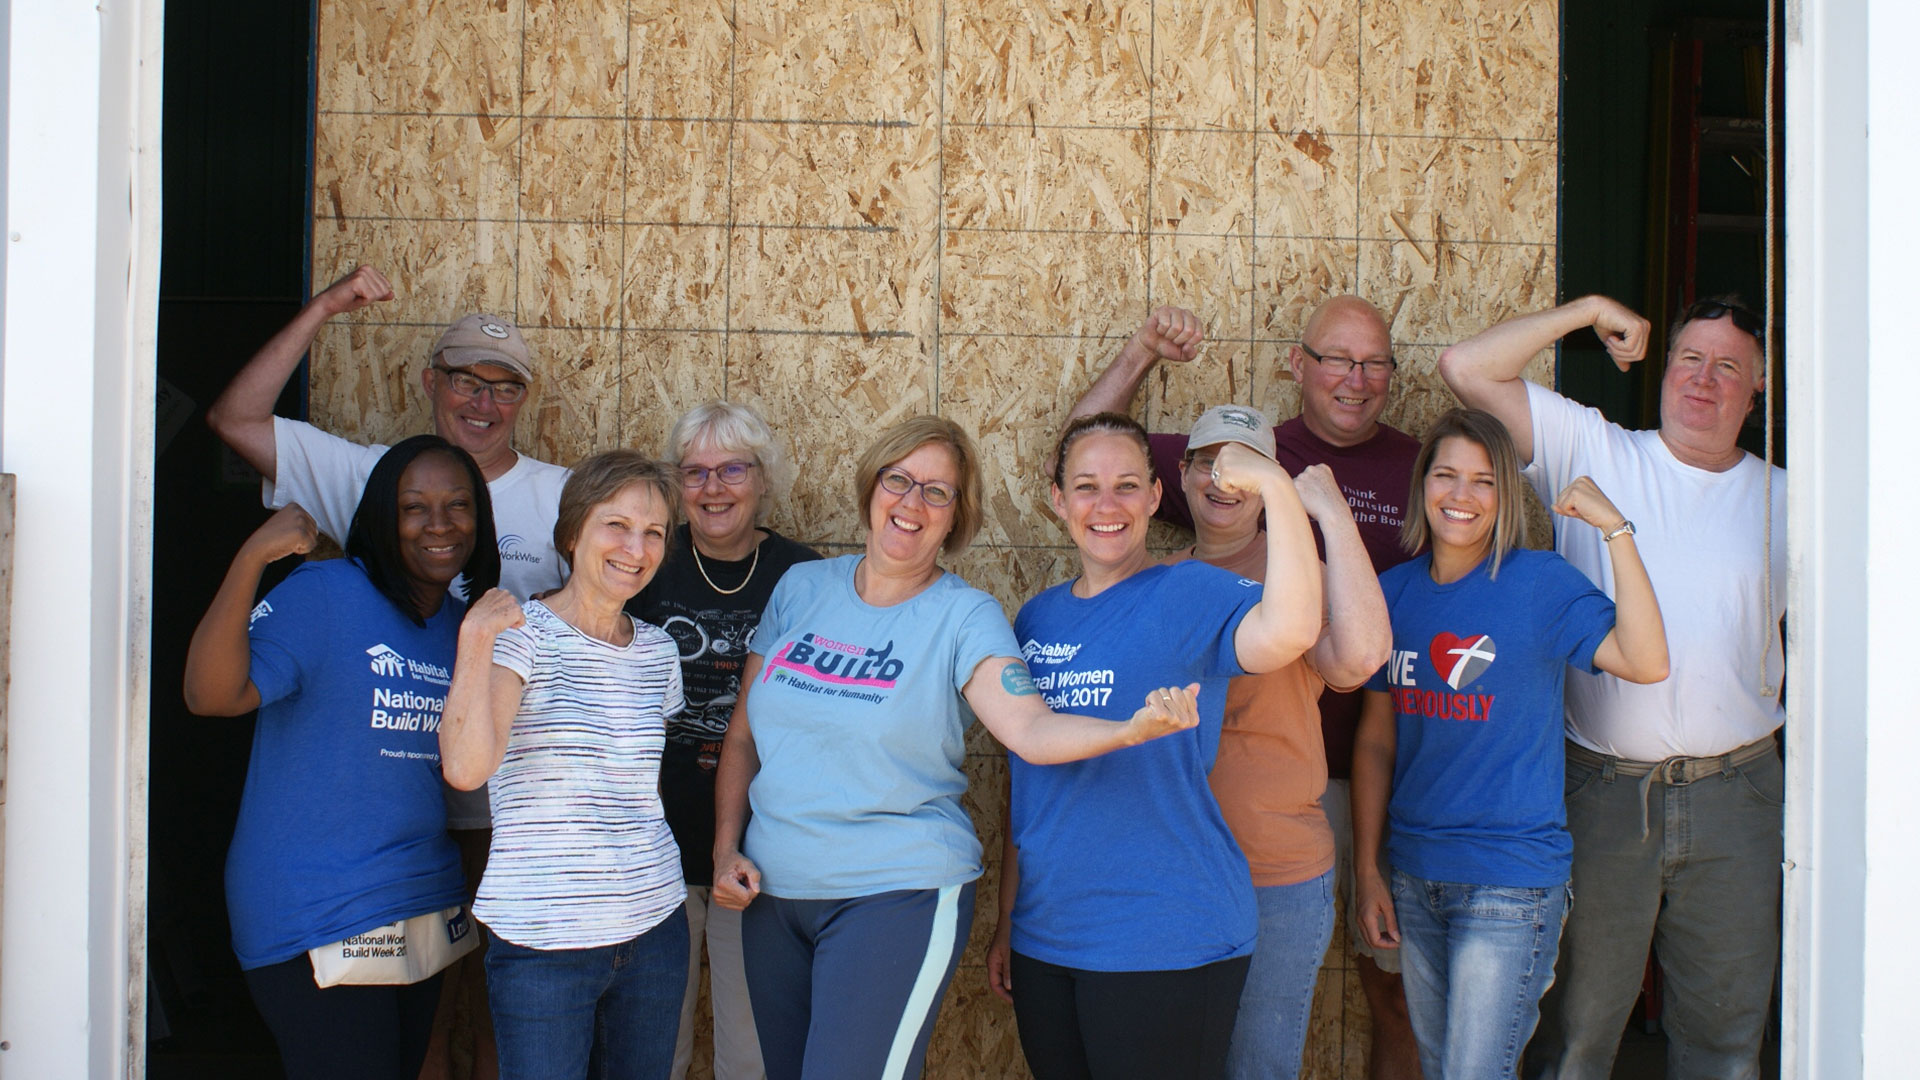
(582, 856)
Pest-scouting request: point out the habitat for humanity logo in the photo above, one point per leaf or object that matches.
(851, 671)
(260, 611)
(391, 664)
(511, 549)
(1053, 652)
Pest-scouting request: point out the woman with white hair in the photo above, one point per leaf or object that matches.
(722, 567)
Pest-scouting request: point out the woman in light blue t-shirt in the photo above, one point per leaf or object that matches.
(1463, 730)
(856, 871)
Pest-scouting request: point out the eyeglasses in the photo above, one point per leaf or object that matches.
(732, 473)
(935, 492)
(468, 385)
(1745, 319)
(1203, 462)
(1344, 365)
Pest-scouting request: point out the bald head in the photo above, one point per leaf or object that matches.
(1339, 401)
(1343, 311)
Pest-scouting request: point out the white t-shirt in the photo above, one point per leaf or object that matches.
(1702, 536)
(582, 856)
(325, 474)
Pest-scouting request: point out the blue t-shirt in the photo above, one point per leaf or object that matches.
(859, 724)
(1476, 675)
(342, 827)
(1125, 861)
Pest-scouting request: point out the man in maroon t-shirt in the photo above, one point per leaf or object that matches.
(1344, 365)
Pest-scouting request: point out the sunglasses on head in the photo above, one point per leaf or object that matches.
(1744, 318)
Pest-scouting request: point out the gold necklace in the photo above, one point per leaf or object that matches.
(695, 548)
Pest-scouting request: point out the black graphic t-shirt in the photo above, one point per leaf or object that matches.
(712, 630)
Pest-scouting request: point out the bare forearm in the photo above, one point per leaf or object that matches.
(739, 761)
(219, 660)
(471, 743)
(1286, 621)
(1358, 634)
(1373, 751)
(1500, 353)
(243, 413)
(1639, 633)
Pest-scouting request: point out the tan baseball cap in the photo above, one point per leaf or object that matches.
(1234, 424)
(484, 339)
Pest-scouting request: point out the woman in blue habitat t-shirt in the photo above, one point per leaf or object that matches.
(342, 826)
(1127, 910)
(1463, 729)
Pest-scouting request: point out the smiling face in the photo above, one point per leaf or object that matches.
(1108, 501)
(1461, 496)
(721, 515)
(621, 543)
(904, 533)
(1712, 374)
(1217, 517)
(479, 425)
(437, 523)
(1343, 409)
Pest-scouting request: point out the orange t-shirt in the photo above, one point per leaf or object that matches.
(1272, 765)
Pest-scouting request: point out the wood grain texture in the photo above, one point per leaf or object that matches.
(847, 213)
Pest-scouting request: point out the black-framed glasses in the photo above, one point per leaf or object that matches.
(1344, 365)
(468, 385)
(1745, 319)
(935, 492)
(731, 473)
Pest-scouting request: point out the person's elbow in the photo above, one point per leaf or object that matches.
(1650, 670)
(207, 701)
(1357, 663)
(1281, 646)
(463, 774)
(1456, 370)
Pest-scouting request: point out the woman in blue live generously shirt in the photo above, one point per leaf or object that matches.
(856, 872)
(342, 827)
(1462, 729)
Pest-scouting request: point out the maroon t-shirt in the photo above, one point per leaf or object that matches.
(1374, 475)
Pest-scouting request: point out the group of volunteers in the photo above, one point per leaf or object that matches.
(544, 736)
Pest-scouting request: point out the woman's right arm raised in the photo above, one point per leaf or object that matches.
(483, 698)
(219, 660)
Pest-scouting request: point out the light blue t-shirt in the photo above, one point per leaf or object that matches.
(859, 724)
(1125, 861)
(1476, 675)
(341, 827)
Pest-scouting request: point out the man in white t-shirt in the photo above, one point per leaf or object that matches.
(1673, 789)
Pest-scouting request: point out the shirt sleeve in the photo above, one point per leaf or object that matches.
(674, 702)
(1580, 614)
(1566, 437)
(1205, 605)
(324, 473)
(982, 633)
(514, 650)
(1167, 450)
(773, 617)
(283, 631)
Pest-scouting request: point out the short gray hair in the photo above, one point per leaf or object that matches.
(729, 425)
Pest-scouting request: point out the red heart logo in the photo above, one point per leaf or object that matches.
(1460, 660)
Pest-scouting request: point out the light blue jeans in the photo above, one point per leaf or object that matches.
(1476, 959)
(1270, 1031)
(1683, 855)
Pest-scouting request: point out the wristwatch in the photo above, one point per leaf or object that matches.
(1625, 528)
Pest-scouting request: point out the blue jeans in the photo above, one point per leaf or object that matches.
(1271, 1031)
(611, 1011)
(1476, 959)
(1685, 856)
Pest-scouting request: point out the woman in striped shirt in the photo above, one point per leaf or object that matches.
(562, 702)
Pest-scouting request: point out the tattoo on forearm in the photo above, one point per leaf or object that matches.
(1016, 680)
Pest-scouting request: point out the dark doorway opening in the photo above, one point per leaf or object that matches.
(236, 111)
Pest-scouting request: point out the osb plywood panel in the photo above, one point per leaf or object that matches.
(849, 212)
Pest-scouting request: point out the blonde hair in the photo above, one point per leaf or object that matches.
(602, 476)
(903, 439)
(1486, 431)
